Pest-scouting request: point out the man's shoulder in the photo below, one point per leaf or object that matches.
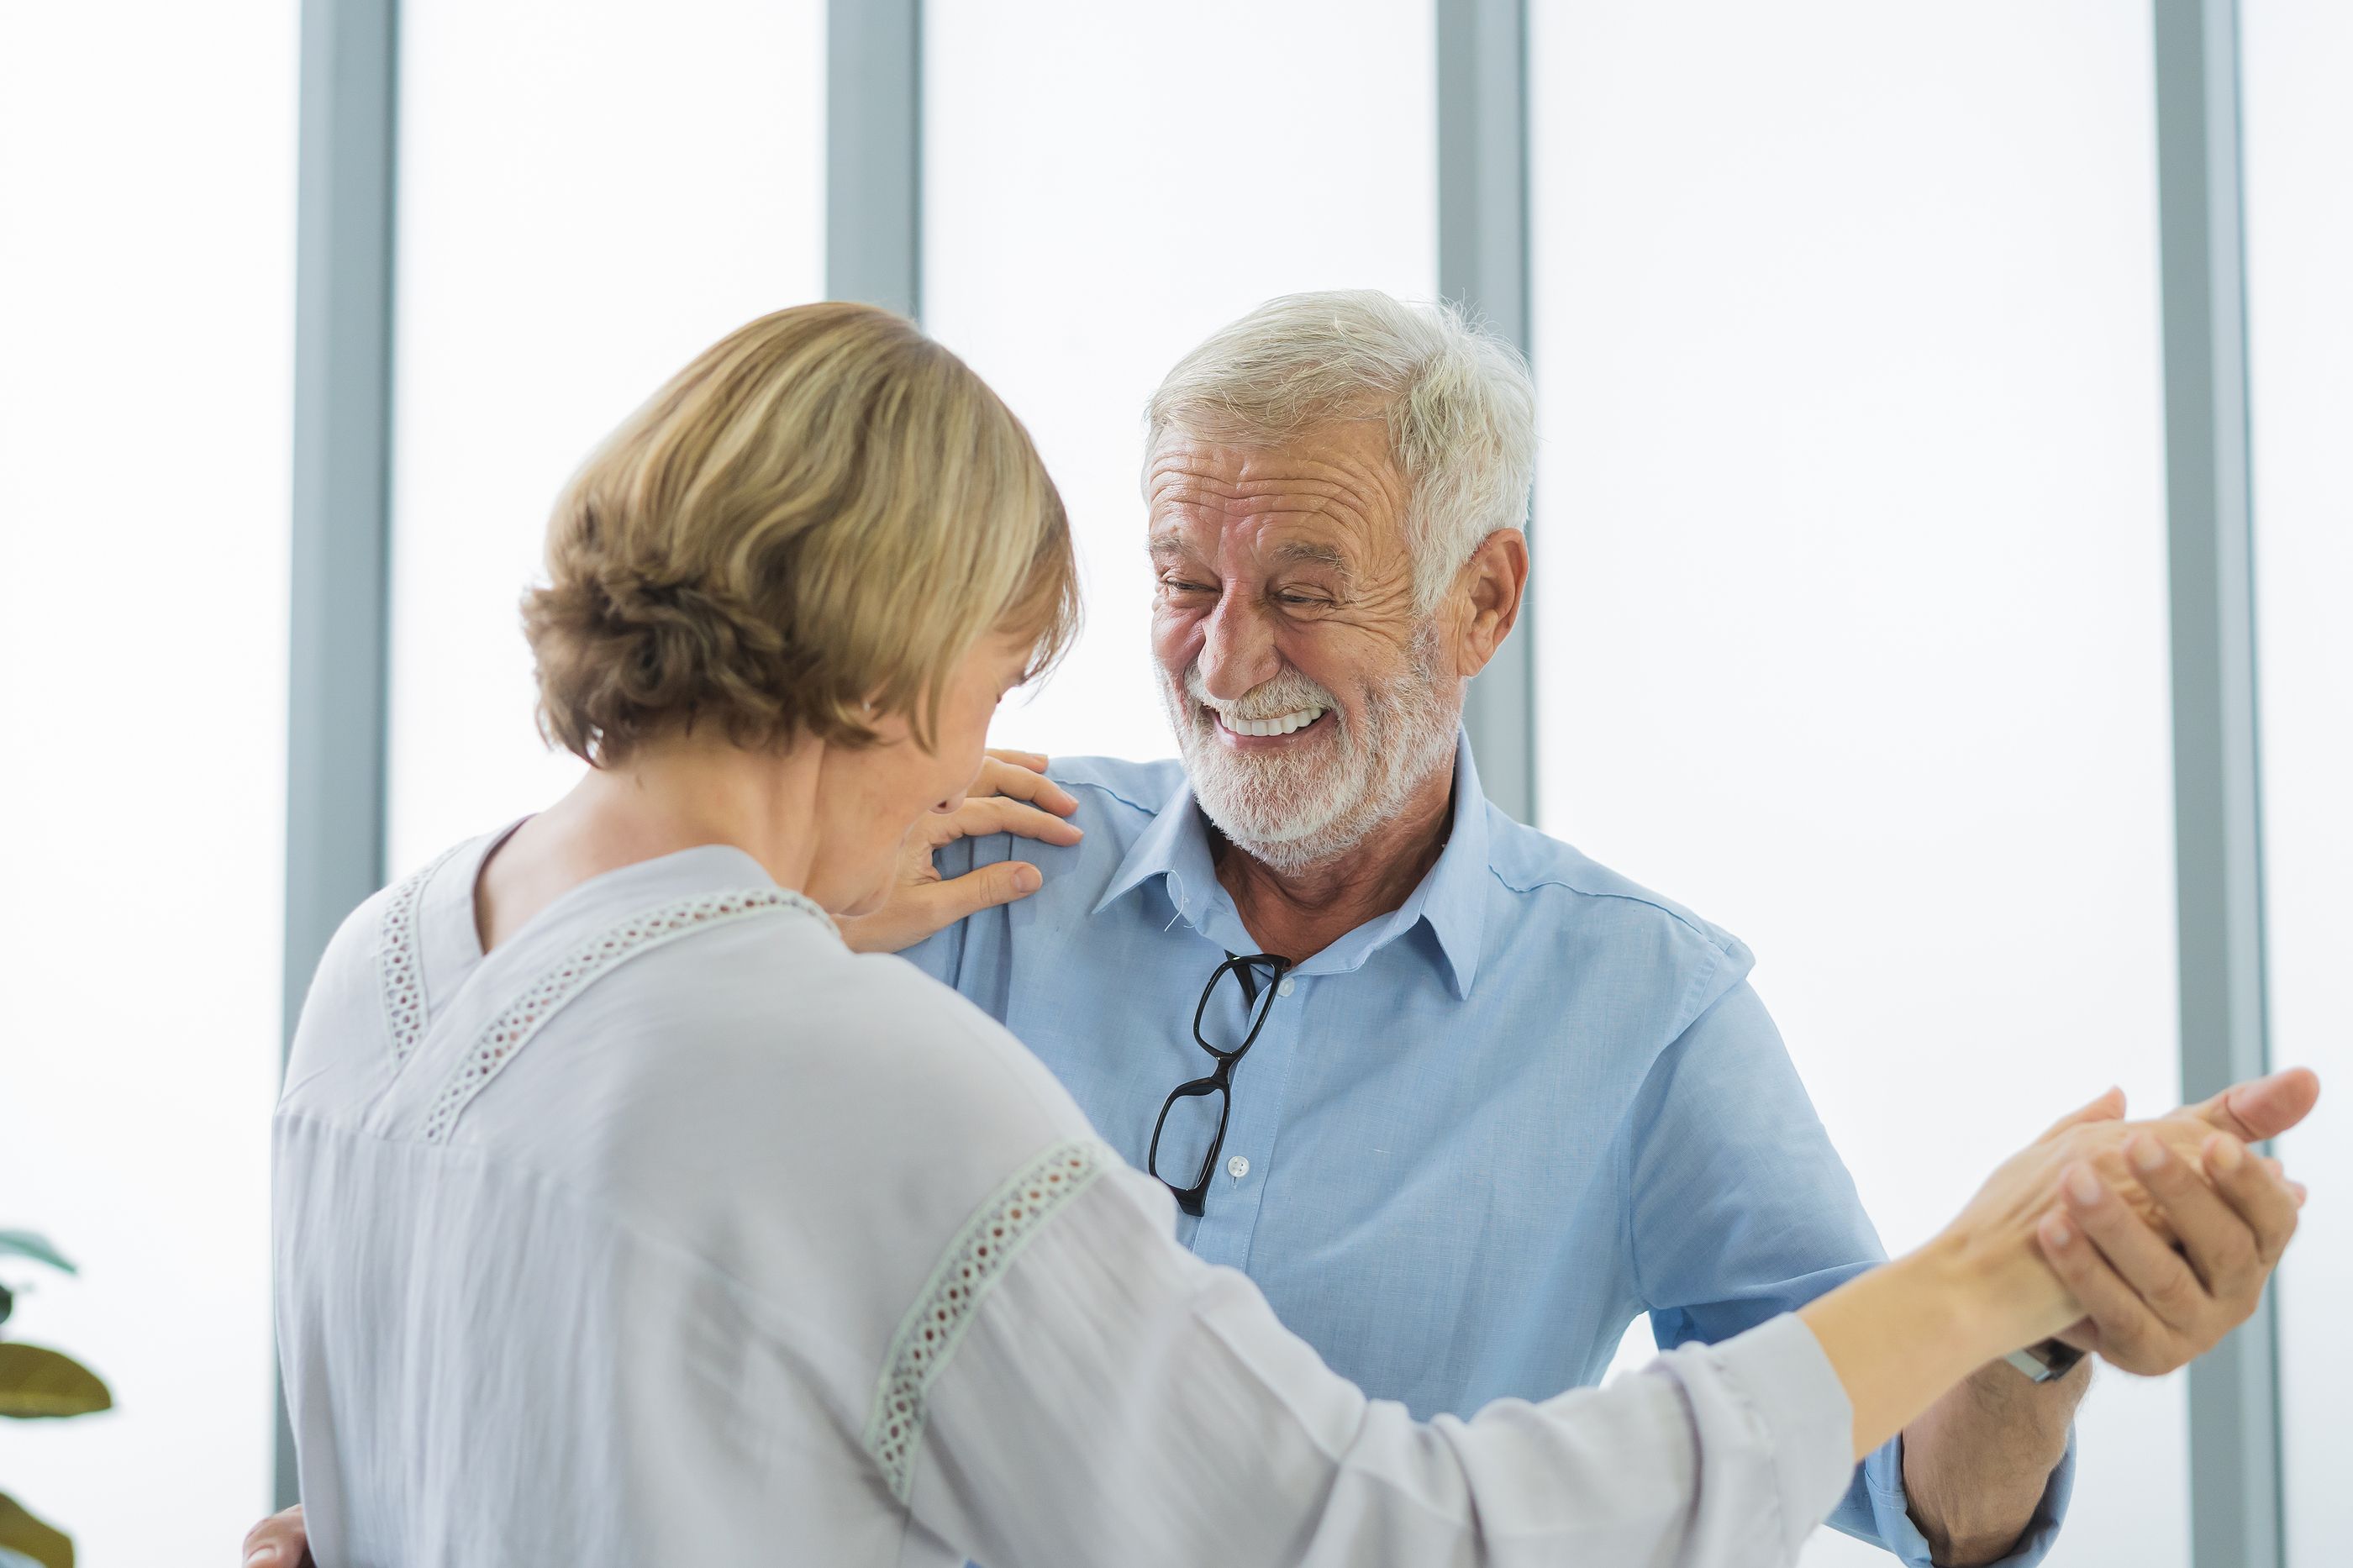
(1555, 879)
(1118, 803)
(1114, 788)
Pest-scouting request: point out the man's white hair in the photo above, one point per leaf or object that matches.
(1456, 400)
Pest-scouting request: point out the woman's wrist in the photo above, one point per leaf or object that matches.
(1901, 1335)
(1997, 1291)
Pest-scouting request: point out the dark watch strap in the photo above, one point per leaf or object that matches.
(2046, 1361)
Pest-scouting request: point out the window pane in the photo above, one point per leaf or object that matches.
(1851, 592)
(147, 157)
(1107, 184)
(2297, 57)
(590, 194)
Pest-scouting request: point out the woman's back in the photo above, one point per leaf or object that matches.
(593, 1249)
(672, 1231)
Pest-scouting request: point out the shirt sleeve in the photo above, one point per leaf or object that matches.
(1109, 1397)
(1741, 1209)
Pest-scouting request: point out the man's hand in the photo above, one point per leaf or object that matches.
(1977, 1463)
(2260, 1108)
(2151, 1307)
(278, 1541)
(1012, 795)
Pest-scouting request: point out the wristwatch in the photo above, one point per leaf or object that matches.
(2046, 1361)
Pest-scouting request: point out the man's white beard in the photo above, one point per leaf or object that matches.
(1300, 806)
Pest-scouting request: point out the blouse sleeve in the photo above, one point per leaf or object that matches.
(1080, 1390)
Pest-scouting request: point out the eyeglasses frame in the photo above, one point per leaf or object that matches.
(1220, 1080)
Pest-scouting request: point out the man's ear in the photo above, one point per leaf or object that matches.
(1489, 591)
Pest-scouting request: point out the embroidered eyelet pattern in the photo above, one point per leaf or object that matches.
(508, 1033)
(400, 973)
(973, 1262)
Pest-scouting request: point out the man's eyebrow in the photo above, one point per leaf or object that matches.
(1301, 552)
(1166, 547)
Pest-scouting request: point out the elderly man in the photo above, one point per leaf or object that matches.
(1459, 1100)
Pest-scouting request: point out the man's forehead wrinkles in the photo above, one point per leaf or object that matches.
(1208, 500)
(1188, 527)
(1191, 489)
(1258, 471)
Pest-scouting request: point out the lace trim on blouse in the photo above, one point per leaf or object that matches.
(400, 974)
(506, 1034)
(973, 1262)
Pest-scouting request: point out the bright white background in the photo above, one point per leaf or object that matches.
(591, 195)
(1851, 596)
(146, 289)
(1106, 185)
(2297, 65)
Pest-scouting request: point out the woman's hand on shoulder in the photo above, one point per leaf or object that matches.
(1013, 796)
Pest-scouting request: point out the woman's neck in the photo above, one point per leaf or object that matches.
(661, 798)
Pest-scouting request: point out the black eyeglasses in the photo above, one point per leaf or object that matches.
(1258, 974)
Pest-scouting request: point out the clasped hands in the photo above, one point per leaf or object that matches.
(2159, 1235)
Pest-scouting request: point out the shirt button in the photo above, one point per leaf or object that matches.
(1238, 1167)
(1283, 989)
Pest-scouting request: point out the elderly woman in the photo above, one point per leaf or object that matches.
(623, 1216)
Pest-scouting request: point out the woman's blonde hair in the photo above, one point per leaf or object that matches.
(806, 531)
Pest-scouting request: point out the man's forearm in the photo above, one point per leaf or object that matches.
(1978, 1462)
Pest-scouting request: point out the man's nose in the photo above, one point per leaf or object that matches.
(1237, 649)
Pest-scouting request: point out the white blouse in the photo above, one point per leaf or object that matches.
(674, 1232)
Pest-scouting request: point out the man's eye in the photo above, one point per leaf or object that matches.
(1298, 599)
(1178, 585)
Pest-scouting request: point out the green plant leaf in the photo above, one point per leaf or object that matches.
(33, 1244)
(23, 1534)
(37, 1383)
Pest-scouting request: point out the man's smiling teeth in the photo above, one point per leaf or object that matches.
(1283, 725)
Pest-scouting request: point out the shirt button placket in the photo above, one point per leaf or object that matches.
(1261, 1089)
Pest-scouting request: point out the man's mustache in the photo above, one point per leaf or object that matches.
(1286, 693)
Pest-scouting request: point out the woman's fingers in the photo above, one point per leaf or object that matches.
(983, 888)
(2265, 1202)
(1020, 782)
(2109, 1106)
(2221, 1245)
(2153, 1270)
(2129, 1334)
(1033, 761)
(985, 815)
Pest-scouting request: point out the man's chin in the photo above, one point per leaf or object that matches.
(1275, 833)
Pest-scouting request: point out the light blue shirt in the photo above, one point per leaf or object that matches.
(1475, 1136)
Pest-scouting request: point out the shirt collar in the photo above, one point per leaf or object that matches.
(1174, 849)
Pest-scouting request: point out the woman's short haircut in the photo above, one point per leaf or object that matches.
(806, 531)
(1459, 408)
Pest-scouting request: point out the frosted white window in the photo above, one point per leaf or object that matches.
(2297, 56)
(1851, 596)
(1107, 184)
(590, 194)
(147, 158)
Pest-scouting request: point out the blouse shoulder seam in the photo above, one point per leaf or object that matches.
(515, 1025)
(400, 970)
